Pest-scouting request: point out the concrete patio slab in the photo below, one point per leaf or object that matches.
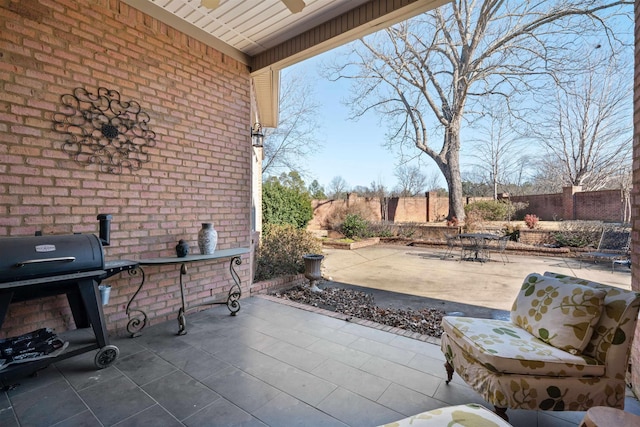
(422, 272)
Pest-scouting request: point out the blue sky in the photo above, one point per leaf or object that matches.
(350, 149)
(354, 149)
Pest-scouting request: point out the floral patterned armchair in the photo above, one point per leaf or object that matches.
(566, 347)
(470, 415)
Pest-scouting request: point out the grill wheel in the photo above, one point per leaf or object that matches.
(106, 356)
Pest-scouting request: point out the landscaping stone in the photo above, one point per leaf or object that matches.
(361, 305)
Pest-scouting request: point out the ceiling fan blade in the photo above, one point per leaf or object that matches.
(294, 6)
(210, 4)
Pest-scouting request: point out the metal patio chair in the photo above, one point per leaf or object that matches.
(452, 243)
(502, 248)
(613, 247)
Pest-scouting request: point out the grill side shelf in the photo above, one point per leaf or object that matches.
(53, 279)
(118, 266)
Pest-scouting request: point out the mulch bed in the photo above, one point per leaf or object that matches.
(361, 305)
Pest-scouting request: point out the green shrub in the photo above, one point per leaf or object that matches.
(337, 216)
(354, 226)
(578, 234)
(381, 229)
(283, 204)
(491, 210)
(281, 250)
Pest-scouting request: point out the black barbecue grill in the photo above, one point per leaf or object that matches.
(40, 266)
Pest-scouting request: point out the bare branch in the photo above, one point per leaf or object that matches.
(439, 71)
(286, 147)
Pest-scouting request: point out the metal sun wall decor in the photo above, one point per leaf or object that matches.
(104, 130)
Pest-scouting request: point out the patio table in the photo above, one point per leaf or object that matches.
(475, 247)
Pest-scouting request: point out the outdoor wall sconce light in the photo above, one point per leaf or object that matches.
(257, 137)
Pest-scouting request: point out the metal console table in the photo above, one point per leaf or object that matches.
(139, 321)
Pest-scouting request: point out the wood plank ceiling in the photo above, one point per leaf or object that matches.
(267, 36)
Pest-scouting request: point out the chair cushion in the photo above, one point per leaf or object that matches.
(616, 325)
(472, 415)
(502, 347)
(561, 314)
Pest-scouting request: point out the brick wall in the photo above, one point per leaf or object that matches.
(546, 206)
(407, 209)
(437, 207)
(606, 204)
(399, 209)
(635, 201)
(572, 203)
(325, 210)
(199, 171)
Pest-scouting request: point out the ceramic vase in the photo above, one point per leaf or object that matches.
(182, 249)
(207, 238)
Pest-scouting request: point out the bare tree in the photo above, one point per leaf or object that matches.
(586, 128)
(547, 178)
(337, 188)
(411, 181)
(626, 185)
(520, 176)
(473, 183)
(288, 146)
(496, 149)
(433, 181)
(435, 65)
(379, 191)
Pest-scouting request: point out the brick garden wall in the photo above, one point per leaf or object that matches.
(324, 210)
(546, 206)
(199, 171)
(399, 209)
(407, 209)
(603, 205)
(606, 205)
(594, 205)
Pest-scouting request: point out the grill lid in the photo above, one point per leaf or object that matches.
(31, 257)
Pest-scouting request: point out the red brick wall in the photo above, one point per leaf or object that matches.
(635, 201)
(437, 207)
(605, 205)
(408, 209)
(322, 210)
(199, 170)
(400, 209)
(546, 206)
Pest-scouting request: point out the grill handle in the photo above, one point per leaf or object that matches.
(38, 261)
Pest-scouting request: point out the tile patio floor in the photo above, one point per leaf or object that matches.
(271, 365)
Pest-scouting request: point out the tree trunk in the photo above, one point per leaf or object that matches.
(451, 171)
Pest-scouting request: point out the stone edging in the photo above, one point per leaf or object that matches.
(282, 282)
(353, 245)
(398, 331)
